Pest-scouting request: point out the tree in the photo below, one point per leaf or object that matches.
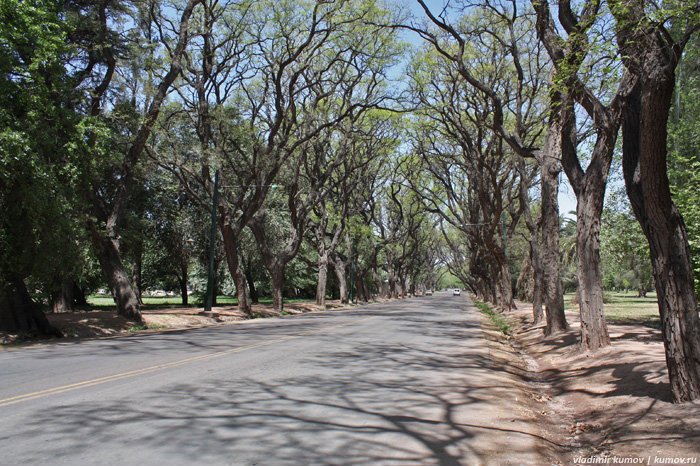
(40, 161)
(651, 43)
(684, 155)
(507, 15)
(107, 202)
(569, 54)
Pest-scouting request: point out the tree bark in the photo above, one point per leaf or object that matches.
(589, 186)
(644, 167)
(252, 291)
(62, 298)
(277, 284)
(594, 331)
(538, 279)
(19, 314)
(339, 269)
(549, 173)
(107, 252)
(231, 247)
(322, 279)
(502, 282)
(183, 285)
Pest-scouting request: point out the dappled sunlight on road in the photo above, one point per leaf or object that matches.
(402, 388)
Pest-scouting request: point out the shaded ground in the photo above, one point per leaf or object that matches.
(99, 323)
(609, 404)
(410, 382)
(612, 403)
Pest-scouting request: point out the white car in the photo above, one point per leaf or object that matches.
(428, 292)
(456, 292)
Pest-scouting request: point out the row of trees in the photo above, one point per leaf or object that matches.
(128, 124)
(120, 114)
(492, 74)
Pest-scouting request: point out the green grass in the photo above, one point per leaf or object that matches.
(106, 303)
(137, 328)
(497, 319)
(626, 308)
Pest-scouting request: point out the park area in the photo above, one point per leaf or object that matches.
(612, 403)
(188, 175)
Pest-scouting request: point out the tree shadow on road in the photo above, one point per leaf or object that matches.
(370, 402)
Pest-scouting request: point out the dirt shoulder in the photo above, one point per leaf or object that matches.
(611, 406)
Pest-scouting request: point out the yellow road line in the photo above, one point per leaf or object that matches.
(159, 367)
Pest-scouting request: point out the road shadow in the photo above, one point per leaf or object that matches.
(430, 396)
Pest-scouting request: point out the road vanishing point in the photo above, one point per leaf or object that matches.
(406, 382)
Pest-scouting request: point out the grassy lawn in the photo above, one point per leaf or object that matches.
(626, 307)
(105, 302)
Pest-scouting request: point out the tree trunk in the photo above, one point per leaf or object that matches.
(391, 291)
(363, 293)
(183, 286)
(589, 186)
(402, 287)
(504, 291)
(62, 298)
(231, 247)
(79, 298)
(594, 331)
(339, 268)
(537, 279)
(644, 168)
(377, 282)
(549, 173)
(322, 279)
(107, 252)
(20, 315)
(277, 284)
(252, 291)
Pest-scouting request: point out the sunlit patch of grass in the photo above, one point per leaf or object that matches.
(497, 319)
(626, 308)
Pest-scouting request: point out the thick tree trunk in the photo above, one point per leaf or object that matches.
(107, 252)
(391, 291)
(363, 293)
(549, 174)
(62, 298)
(234, 266)
(594, 331)
(589, 186)
(20, 315)
(644, 167)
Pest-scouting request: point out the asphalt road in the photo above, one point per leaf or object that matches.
(407, 382)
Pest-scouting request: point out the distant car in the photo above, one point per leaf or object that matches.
(428, 292)
(456, 292)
